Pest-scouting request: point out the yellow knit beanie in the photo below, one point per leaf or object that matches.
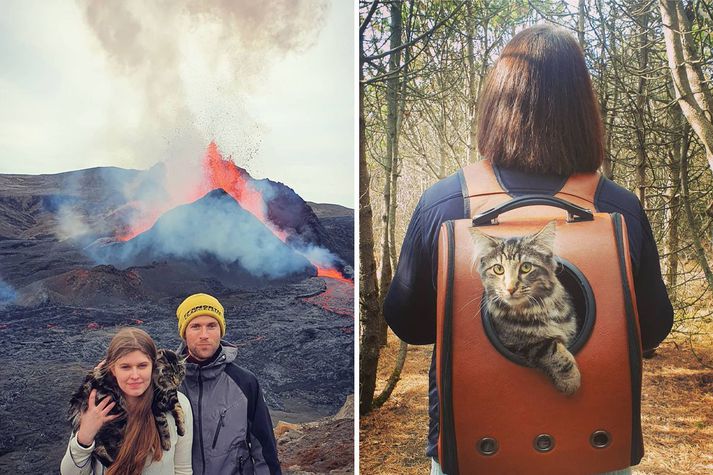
(198, 305)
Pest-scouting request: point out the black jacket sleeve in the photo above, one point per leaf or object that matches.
(263, 448)
(654, 307)
(410, 304)
(262, 439)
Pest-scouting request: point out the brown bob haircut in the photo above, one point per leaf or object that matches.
(538, 112)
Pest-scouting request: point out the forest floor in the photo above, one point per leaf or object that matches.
(677, 411)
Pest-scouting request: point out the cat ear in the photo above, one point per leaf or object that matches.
(545, 237)
(100, 370)
(483, 242)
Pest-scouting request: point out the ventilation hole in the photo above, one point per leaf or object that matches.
(600, 439)
(544, 443)
(487, 446)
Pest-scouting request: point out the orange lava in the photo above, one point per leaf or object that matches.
(223, 173)
(332, 274)
(338, 296)
(142, 224)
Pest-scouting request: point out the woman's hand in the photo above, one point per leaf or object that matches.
(94, 418)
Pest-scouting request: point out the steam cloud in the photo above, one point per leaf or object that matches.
(217, 226)
(320, 256)
(91, 203)
(7, 294)
(70, 223)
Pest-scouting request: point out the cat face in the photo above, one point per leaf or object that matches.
(170, 370)
(516, 271)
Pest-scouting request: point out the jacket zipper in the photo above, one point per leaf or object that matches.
(221, 423)
(241, 459)
(200, 417)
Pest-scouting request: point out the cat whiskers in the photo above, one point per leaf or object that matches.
(538, 303)
(486, 300)
(471, 301)
(494, 298)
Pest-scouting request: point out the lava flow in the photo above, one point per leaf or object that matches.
(338, 297)
(332, 274)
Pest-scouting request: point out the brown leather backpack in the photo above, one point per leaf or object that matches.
(498, 416)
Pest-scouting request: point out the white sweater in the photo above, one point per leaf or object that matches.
(176, 461)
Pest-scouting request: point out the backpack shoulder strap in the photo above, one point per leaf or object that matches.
(582, 186)
(482, 190)
(480, 187)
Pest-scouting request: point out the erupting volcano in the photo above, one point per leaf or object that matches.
(224, 173)
(276, 206)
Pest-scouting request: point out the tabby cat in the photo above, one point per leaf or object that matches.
(167, 376)
(530, 310)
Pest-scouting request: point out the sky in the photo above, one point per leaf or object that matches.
(133, 83)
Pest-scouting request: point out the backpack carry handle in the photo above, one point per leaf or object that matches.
(574, 213)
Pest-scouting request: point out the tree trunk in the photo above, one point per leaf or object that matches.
(481, 79)
(690, 218)
(643, 55)
(604, 96)
(672, 243)
(394, 377)
(392, 104)
(442, 141)
(678, 122)
(471, 149)
(692, 90)
(368, 290)
(580, 25)
(396, 165)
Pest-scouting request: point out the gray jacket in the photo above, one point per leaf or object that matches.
(232, 429)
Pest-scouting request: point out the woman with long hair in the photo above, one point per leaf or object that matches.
(538, 123)
(130, 361)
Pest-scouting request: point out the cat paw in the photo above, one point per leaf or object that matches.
(179, 417)
(166, 443)
(103, 455)
(569, 384)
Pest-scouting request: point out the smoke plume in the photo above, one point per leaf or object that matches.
(187, 56)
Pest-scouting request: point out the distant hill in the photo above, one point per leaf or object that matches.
(327, 210)
(32, 206)
(339, 223)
